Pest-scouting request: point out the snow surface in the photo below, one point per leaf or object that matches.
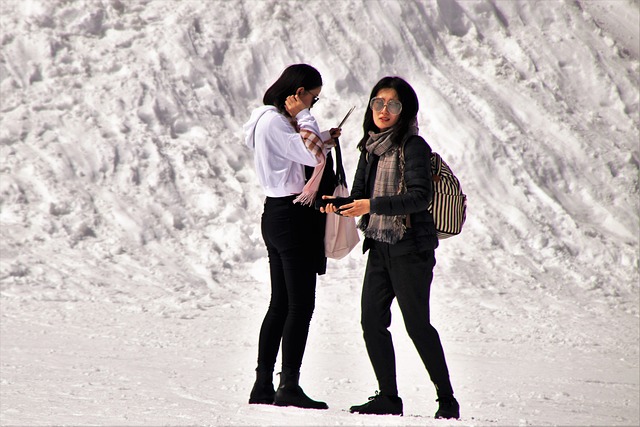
(133, 276)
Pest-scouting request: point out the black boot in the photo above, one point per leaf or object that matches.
(449, 407)
(262, 391)
(380, 404)
(290, 393)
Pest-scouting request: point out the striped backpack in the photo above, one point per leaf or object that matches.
(449, 203)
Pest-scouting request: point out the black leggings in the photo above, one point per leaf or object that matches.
(407, 278)
(285, 230)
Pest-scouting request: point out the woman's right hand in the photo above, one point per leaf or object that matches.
(293, 104)
(357, 208)
(329, 207)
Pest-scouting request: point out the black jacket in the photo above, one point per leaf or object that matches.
(421, 233)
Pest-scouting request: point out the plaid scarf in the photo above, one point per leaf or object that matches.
(386, 228)
(314, 143)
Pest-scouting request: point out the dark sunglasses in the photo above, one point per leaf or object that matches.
(314, 100)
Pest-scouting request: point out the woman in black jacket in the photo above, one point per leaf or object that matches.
(392, 190)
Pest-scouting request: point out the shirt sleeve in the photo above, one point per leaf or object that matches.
(285, 141)
(307, 121)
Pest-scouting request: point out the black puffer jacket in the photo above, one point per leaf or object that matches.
(421, 232)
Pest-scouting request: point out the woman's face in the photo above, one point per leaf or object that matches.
(309, 97)
(383, 119)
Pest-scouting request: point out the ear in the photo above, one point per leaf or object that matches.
(299, 90)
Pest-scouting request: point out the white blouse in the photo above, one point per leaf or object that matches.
(280, 152)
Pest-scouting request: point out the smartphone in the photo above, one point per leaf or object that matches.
(337, 202)
(346, 117)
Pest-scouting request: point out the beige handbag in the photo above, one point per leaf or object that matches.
(341, 234)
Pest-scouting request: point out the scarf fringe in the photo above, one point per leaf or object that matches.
(306, 198)
(310, 190)
(385, 235)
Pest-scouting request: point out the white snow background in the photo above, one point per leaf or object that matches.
(133, 275)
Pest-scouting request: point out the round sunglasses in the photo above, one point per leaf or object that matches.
(393, 107)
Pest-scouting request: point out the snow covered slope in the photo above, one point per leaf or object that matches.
(124, 182)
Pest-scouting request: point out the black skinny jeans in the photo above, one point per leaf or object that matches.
(285, 230)
(407, 278)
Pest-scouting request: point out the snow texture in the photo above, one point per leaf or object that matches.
(133, 276)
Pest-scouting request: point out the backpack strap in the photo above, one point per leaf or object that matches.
(402, 162)
(436, 166)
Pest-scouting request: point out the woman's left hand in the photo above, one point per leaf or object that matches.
(335, 133)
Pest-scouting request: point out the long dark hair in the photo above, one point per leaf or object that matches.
(410, 105)
(293, 77)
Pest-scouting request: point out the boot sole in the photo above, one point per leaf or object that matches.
(260, 402)
(377, 413)
(296, 406)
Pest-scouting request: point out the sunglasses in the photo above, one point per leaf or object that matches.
(393, 107)
(314, 100)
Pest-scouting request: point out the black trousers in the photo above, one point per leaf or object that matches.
(408, 279)
(286, 233)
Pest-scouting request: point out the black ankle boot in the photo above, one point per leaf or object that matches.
(262, 391)
(448, 408)
(290, 393)
(380, 404)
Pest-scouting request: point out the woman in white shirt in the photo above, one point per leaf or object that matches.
(287, 142)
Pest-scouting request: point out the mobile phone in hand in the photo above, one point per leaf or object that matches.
(337, 202)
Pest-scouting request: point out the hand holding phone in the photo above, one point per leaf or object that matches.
(337, 202)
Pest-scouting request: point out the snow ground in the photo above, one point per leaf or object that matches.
(132, 271)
